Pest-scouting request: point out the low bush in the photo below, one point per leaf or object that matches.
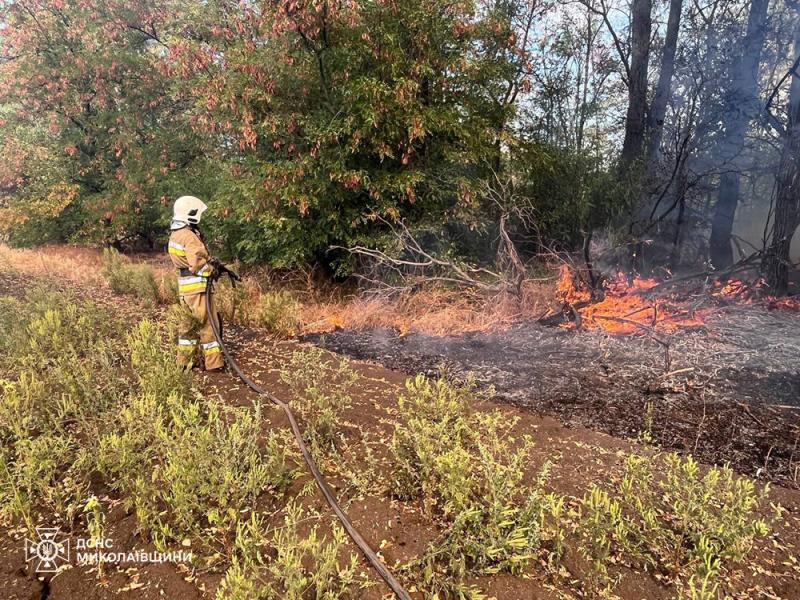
(319, 394)
(234, 303)
(277, 312)
(687, 526)
(187, 466)
(62, 378)
(154, 369)
(299, 566)
(191, 469)
(467, 470)
(127, 278)
(168, 289)
(84, 398)
(84, 394)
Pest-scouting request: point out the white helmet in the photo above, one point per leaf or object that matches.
(188, 209)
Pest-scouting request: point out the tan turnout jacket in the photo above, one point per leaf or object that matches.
(188, 251)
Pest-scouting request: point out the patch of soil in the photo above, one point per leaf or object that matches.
(582, 456)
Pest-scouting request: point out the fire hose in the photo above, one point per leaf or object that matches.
(362, 544)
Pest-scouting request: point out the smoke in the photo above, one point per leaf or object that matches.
(751, 218)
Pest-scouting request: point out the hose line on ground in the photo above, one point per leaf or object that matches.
(362, 544)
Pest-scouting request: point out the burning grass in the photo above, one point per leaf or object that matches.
(297, 305)
(634, 305)
(285, 306)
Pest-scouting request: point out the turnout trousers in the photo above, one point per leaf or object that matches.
(195, 327)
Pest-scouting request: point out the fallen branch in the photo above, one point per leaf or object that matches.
(737, 267)
(422, 260)
(747, 411)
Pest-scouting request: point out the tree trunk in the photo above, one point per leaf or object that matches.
(635, 120)
(655, 121)
(742, 106)
(583, 92)
(787, 197)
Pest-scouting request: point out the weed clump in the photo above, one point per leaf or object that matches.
(277, 312)
(301, 566)
(190, 469)
(686, 526)
(84, 397)
(61, 371)
(234, 302)
(124, 277)
(319, 394)
(467, 471)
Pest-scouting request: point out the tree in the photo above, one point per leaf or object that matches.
(786, 216)
(333, 116)
(742, 105)
(82, 78)
(658, 109)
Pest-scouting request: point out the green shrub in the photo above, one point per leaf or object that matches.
(688, 526)
(83, 397)
(309, 564)
(12, 331)
(233, 302)
(213, 468)
(277, 312)
(300, 566)
(63, 378)
(168, 289)
(240, 583)
(156, 370)
(37, 479)
(467, 471)
(319, 394)
(191, 468)
(242, 580)
(127, 278)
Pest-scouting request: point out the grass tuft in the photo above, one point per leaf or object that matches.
(125, 277)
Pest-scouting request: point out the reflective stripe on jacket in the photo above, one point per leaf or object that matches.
(191, 285)
(190, 257)
(176, 249)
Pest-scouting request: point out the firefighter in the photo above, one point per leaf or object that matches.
(195, 266)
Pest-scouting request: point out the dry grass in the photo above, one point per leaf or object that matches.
(434, 310)
(77, 264)
(63, 262)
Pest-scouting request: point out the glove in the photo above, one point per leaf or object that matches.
(220, 269)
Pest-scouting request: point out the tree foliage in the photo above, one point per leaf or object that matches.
(310, 124)
(95, 141)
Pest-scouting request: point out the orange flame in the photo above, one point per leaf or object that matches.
(625, 309)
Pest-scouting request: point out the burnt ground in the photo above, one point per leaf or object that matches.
(728, 392)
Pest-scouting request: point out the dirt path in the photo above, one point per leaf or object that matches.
(400, 532)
